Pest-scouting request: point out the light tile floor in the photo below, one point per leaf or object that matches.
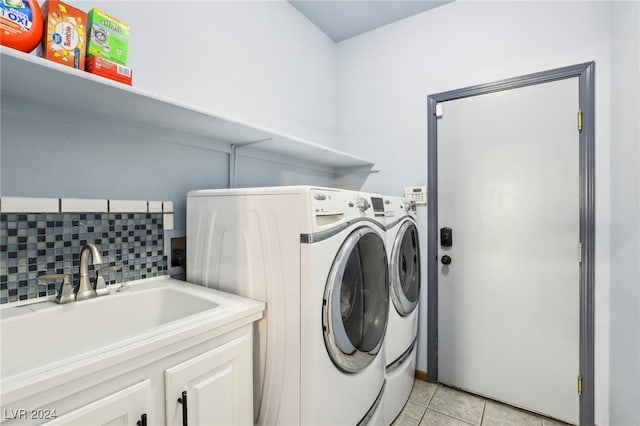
(438, 405)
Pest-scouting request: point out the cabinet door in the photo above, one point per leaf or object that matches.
(123, 408)
(219, 386)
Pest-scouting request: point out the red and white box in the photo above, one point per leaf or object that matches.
(105, 68)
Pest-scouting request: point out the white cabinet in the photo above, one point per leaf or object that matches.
(122, 408)
(217, 379)
(217, 386)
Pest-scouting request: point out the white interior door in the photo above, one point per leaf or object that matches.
(508, 303)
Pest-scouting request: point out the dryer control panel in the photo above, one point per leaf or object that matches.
(330, 207)
(326, 202)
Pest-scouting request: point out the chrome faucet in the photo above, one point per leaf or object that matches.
(85, 289)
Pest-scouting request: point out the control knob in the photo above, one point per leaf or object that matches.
(362, 204)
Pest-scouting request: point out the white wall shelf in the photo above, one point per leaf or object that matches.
(44, 85)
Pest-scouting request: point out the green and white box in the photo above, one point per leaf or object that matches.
(107, 37)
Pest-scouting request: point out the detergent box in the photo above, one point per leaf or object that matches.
(64, 34)
(107, 37)
(105, 68)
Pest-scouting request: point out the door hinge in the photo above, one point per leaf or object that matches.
(579, 385)
(580, 120)
(579, 252)
(439, 112)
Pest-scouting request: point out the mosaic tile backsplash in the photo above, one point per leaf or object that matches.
(35, 244)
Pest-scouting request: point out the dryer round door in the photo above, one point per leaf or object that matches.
(405, 269)
(356, 301)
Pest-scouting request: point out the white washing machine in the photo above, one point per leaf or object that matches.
(403, 251)
(317, 257)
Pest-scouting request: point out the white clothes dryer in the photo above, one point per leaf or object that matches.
(403, 252)
(317, 257)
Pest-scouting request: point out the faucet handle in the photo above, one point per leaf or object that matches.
(101, 285)
(65, 294)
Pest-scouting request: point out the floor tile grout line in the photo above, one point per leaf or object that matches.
(453, 417)
(426, 407)
(484, 408)
(425, 410)
(423, 414)
(432, 394)
(447, 415)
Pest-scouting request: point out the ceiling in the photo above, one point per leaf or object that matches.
(342, 19)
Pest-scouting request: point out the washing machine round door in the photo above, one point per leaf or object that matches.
(356, 301)
(405, 269)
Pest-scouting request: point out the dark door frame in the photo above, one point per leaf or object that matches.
(586, 74)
